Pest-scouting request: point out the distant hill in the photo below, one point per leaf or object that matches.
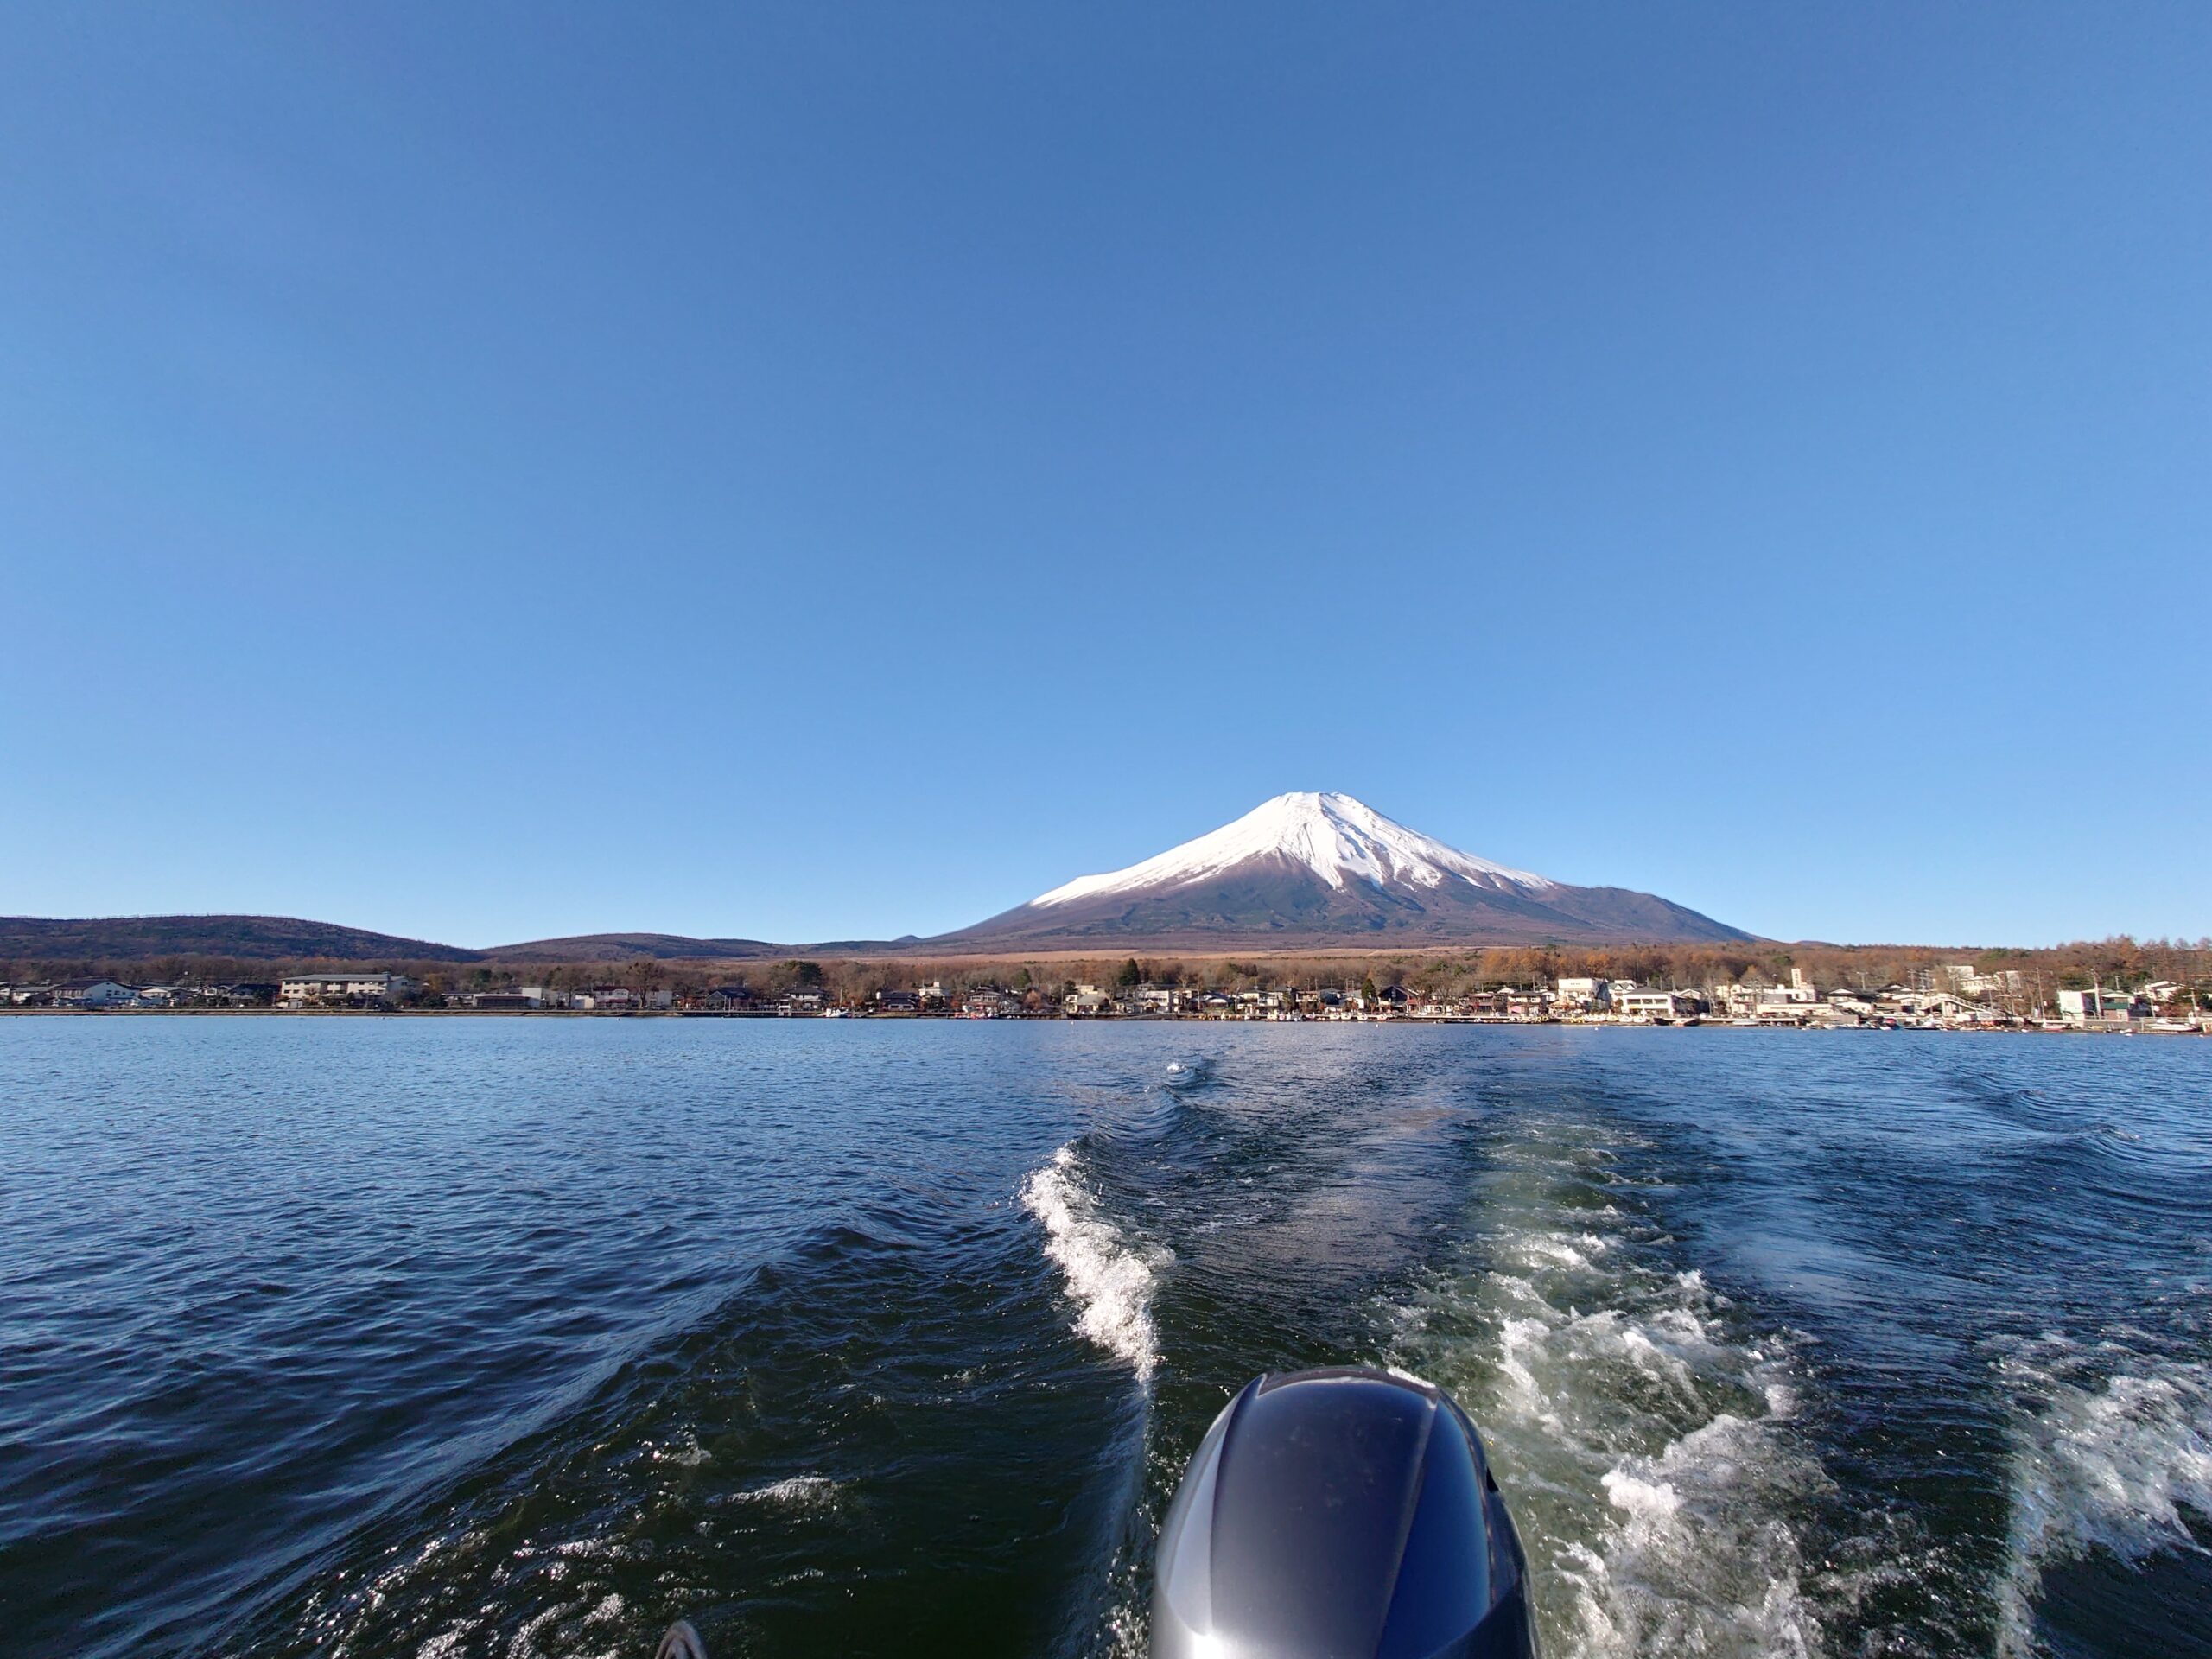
(629, 947)
(1308, 871)
(120, 939)
(1302, 872)
(247, 938)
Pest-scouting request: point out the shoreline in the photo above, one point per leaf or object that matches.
(2027, 1030)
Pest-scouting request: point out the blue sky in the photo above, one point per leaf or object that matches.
(806, 472)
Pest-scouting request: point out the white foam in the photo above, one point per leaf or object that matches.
(1647, 1445)
(1110, 1279)
(1640, 1498)
(2108, 1465)
(1699, 1556)
(796, 1491)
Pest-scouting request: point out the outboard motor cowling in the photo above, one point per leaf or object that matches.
(1340, 1514)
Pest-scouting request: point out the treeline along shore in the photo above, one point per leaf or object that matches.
(2118, 983)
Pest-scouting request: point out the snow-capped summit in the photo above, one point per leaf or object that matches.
(1316, 869)
(1339, 839)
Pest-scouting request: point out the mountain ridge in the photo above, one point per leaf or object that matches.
(1321, 868)
(1303, 871)
(240, 939)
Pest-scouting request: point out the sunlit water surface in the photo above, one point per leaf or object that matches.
(447, 1338)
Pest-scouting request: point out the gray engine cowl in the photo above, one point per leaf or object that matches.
(1343, 1513)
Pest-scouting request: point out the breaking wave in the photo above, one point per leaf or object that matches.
(2114, 1464)
(1109, 1278)
(798, 1492)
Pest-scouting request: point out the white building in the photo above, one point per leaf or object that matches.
(313, 991)
(524, 999)
(1966, 981)
(1653, 1006)
(2097, 1008)
(92, 993)
(1584, 992)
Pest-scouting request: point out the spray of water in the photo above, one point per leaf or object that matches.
(1109, 1278)
(2101, 1460)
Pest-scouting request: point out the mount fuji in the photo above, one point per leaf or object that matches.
(1321, 870)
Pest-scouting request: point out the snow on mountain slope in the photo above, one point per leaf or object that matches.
(1313, 869)
(1339, 839)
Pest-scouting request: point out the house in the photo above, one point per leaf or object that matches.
(525, 1000)
(1658, 1007)
(1967, 980)
(1759, 997)
(1086, 1000)
(92, 993)
(1584, 992)
(342, 989)
(730, 999)
(1799, 991)
(2098, 1009)
(528, 998)
(887, 1001)
(931, 997)
(989, 1005)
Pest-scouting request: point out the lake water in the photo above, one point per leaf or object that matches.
(443, 1337)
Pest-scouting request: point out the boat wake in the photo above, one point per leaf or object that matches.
(1647, 1438)
(1110, 1277)
(2116, 1463)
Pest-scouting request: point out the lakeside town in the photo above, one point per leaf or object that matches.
(1943, 997)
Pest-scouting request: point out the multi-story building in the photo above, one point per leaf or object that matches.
(342, 989)
(92, 993)
(2098, 1009)
(1652, 1007)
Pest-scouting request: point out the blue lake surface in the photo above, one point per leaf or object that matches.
(418, 1337)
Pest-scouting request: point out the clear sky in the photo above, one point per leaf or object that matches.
(489, 471)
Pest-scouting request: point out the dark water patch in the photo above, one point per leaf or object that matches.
(795, 1472)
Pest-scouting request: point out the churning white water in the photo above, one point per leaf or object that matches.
(1110, 1277)
(1646, 1439)
(2108, 1462)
